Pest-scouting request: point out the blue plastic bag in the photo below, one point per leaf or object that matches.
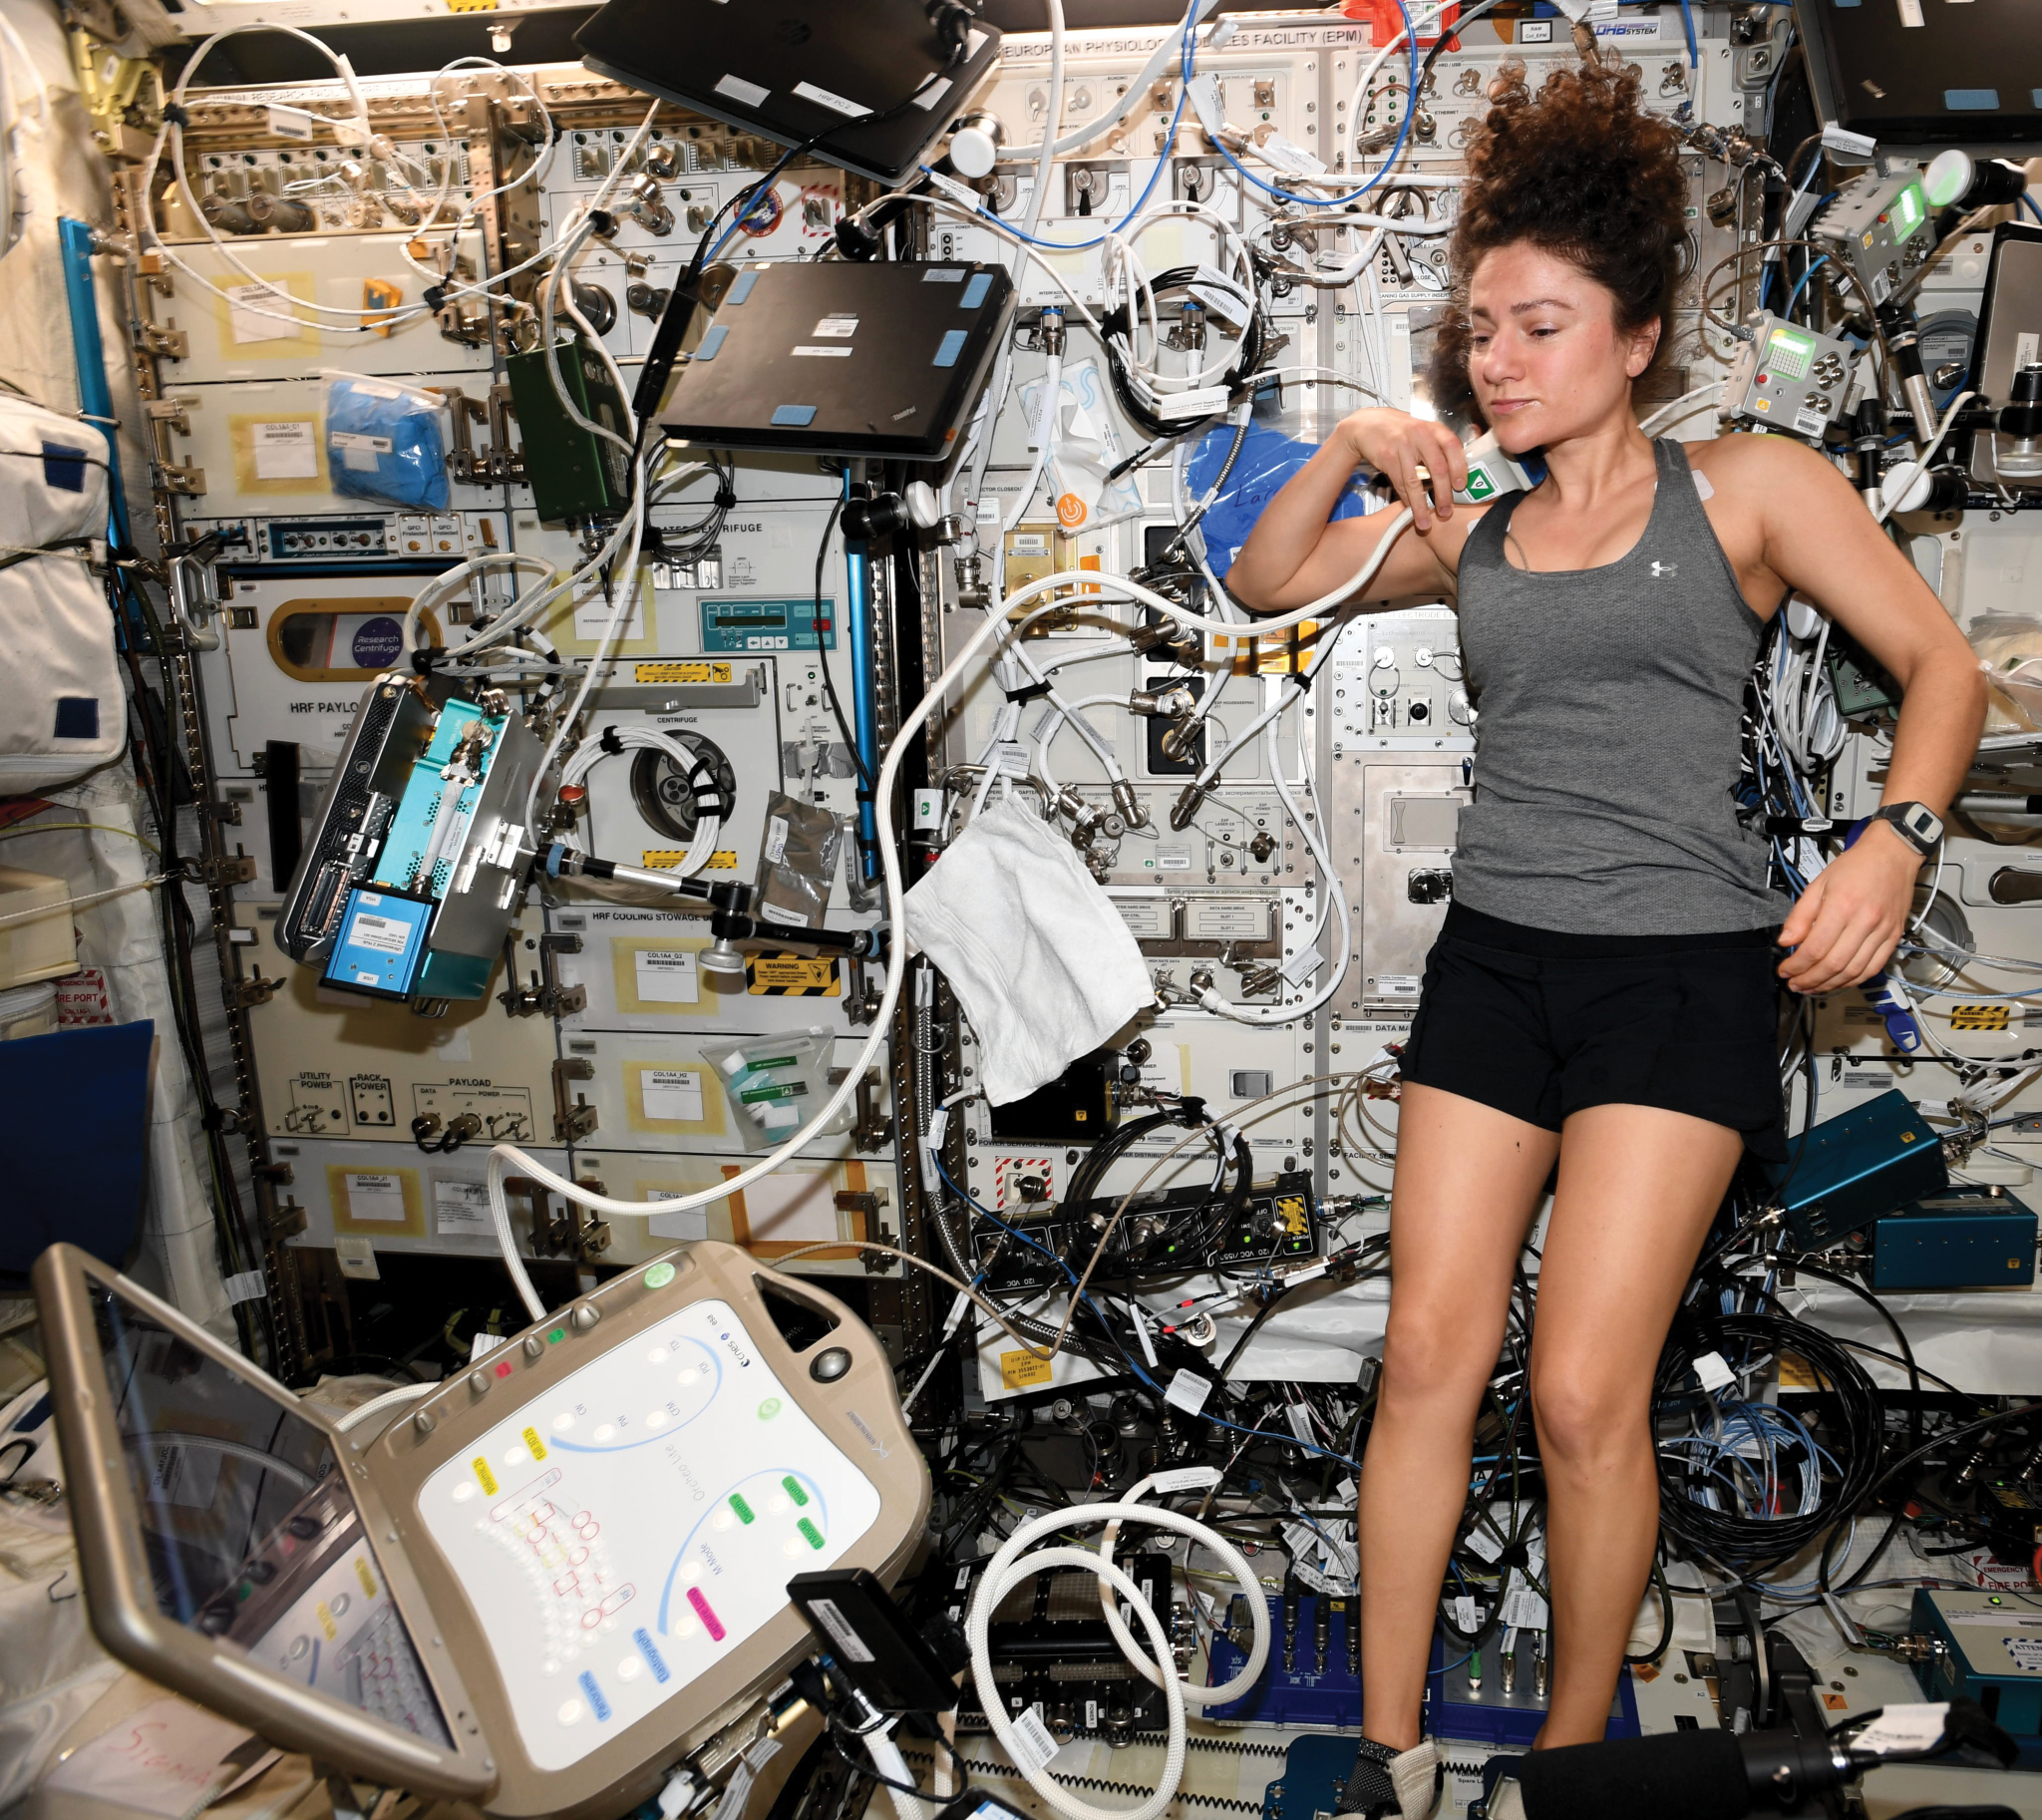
(383, 441)
(1268, 460)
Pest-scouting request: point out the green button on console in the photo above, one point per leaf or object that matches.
(659, 1276)
(556, 1336)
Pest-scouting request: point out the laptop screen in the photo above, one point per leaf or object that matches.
(249, 1531)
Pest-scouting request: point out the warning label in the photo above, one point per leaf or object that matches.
(792, 976)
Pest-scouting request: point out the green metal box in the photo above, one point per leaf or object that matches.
(574, 473)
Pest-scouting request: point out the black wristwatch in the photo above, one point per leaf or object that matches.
(1919, 826)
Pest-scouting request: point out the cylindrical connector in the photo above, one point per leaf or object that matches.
(1053, 332)
(280, 211)
(2020, 418)
(1508, 1669)
(1539, 1665)
(1186, 804)
(1083, 817)
(971, 588)
(1133, 812)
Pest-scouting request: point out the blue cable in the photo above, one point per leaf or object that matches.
(2032, 209)
(1389, 163)
(1140, 202)
(1801, 283)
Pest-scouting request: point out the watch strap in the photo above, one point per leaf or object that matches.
(1915, 823)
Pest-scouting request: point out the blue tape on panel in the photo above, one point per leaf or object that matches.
(794, 416)
(742, 289)
(952, 345)
(712, 341)
(974, 292)
(943, 274)
(1971, 101)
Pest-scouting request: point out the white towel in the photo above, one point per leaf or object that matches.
(1038, 956)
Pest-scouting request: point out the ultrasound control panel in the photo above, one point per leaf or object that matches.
(621, 1535)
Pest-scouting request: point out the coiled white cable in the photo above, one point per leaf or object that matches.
(1009, 1567)
(615, 740)
(1236, 1564)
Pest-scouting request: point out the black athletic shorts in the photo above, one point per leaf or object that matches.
(1540, 1024)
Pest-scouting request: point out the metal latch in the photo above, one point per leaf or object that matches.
(574, 1117)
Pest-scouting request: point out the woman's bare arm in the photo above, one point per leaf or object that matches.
(1819, 540)
(1293, 556)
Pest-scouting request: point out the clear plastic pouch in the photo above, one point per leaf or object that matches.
(797, 861)
(2009, 647)
(384, 441)
(775, 1084)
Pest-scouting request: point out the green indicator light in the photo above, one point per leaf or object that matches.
(1908, 211)
(793, 1487)
(808, 1530)
(769, 1409)
(556, 1336)
(743, 1509)
(659, 1276)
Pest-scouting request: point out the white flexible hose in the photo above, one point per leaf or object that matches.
(1236, 1564)
(887, 1760)
(503, 1157)
(994, 1584)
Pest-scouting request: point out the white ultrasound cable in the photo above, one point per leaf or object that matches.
(505, 1158)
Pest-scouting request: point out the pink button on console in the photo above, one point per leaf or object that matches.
(710, 1621)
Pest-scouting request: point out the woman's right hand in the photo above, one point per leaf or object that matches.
(1396, 445)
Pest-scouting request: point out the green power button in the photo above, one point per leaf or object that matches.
(659, 1276)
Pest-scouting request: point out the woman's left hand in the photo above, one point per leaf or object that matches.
(1853, 914)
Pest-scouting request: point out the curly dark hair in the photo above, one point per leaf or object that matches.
(1583, 172)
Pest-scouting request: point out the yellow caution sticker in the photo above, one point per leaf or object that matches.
(792, 976)
(1796, 1373)
(1021, 1370)
(1980, 1017)
(367, 1578)
(1292, 1215)
(665, 859)
(487, 1478)
(326, 1622)
(533, 1445)
(681, 672)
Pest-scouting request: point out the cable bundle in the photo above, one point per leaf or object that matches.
(1725, 1487)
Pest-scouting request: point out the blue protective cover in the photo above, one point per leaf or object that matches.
(89, 1088)
(384, 448)
(1267, 459)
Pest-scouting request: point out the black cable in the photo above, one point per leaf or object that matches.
(857, 757)
(1666, 1620)
(1857, 1450)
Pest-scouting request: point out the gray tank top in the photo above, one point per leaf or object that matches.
(1607, 737)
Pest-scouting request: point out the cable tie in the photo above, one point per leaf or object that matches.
(435, 297)
(1033, 692)
(610, 741)
(726, 497)
(176, 115)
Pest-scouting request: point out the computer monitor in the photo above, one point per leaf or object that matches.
(799, 67)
